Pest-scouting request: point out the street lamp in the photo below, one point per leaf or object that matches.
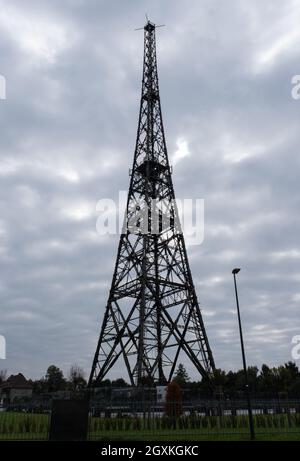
(251, 425)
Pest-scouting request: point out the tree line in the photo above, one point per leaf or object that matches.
(268, 381)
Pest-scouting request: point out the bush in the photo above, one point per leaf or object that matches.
(173, 405)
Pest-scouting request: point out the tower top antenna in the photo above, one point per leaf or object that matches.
(149, 25)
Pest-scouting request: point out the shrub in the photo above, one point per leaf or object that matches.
(173, 405)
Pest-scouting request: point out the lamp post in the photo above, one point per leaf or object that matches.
(251, 425)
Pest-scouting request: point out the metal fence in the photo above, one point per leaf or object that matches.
(207, 420)
(144, 420)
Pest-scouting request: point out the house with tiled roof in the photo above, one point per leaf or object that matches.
(14, 388)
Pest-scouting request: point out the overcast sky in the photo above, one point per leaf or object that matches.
(73, 70)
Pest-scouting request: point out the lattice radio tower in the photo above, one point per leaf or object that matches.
(152, 315)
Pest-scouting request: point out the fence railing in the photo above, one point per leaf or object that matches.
(140, 420)
(207, 420)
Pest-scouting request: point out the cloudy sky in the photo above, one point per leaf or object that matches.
(68, 125)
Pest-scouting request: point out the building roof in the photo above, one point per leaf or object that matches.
(16, 382)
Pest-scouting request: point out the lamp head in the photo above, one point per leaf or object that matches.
(236, 271)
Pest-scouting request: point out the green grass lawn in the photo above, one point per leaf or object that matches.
(22, 426)
(198, 437)
(268, 427)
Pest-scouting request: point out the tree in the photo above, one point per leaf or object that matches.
(76, 378)
(293, 371)
(253, 378)
(120, 382)
(219, 381)
(147, 381)
(104, 383)
(55, 379)
(219, 378)
(173, 406)
(294, 389)
(266, 379)
(40, 386)
(181, 376)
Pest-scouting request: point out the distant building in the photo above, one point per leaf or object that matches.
(161, 393)
(14, 388)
